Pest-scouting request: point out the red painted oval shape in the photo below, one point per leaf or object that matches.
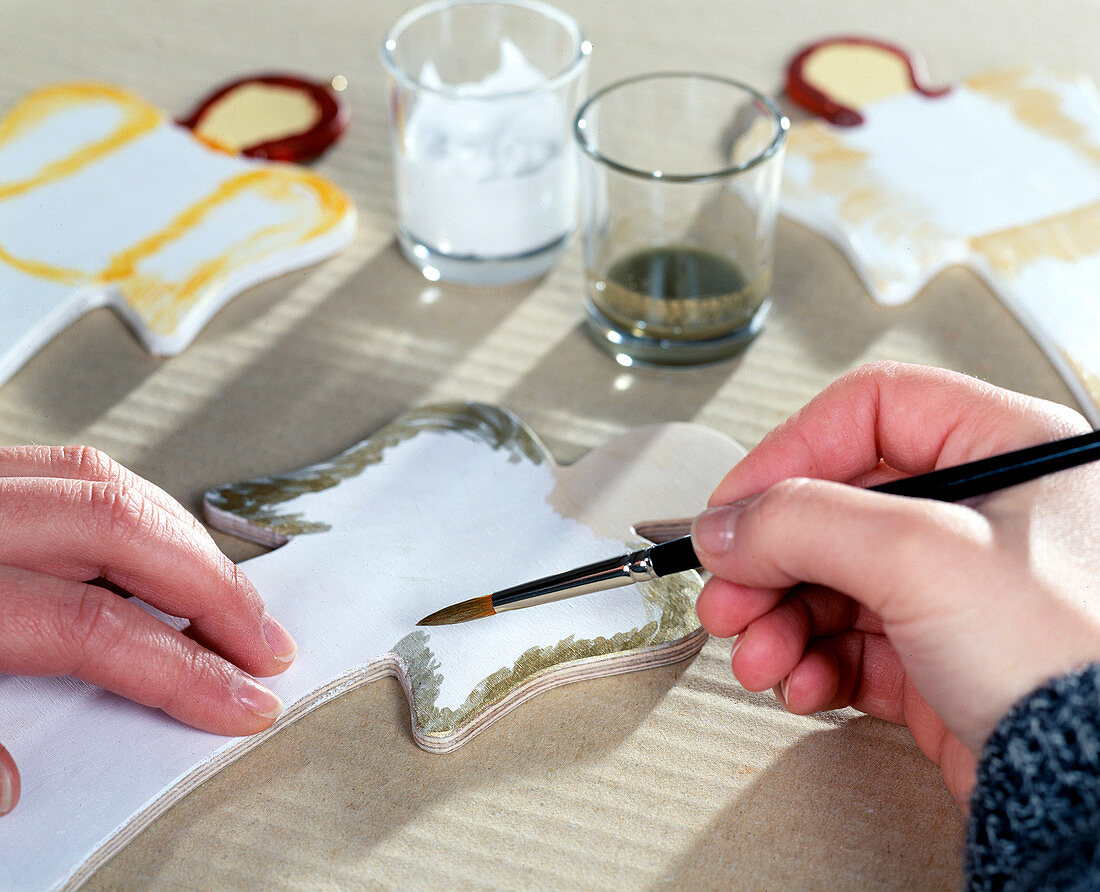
(279, 117)
(815, 97)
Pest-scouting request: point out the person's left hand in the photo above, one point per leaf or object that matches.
(77, 525)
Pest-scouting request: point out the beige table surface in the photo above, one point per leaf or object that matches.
(674, 777)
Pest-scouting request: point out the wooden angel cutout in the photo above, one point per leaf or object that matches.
(106, 202)
(441, 504)
(1000, 173)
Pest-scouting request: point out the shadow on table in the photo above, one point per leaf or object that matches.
(316, 805)
(850, 801)
(955, 317)
(343, 799)
(79, 375)
(578, 395)
(323, 366)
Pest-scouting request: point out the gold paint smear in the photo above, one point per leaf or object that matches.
(844, 172)
(1037, 108)
(670, 609)
(258, 501)
(139, 118)
(863, 199)
(832, 159)
(1066, 237)
(43, 270)
(161, 304)
(274, 185)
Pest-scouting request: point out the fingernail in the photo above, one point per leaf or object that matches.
(278, 639)
(254, 697)
(7, 791)
(736, 644)
(784, 690)
(712, 530)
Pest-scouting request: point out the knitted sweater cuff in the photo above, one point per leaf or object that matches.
(1035, 811)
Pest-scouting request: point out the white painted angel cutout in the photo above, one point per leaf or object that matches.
(106, 202)
(1000, 173)
(442, 503)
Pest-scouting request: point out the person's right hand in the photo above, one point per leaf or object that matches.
(938, 615)
(72, 517)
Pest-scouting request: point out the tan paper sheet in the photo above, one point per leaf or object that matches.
(670, 777)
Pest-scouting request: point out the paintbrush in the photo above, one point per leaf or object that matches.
(676, 556)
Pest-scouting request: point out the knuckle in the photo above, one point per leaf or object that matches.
(91, 624)
(878, 368)
(1055, 420)
(177, 686)
(871, 374)
(781, 498)
(89, 463)
(240, 583)
(240, 592)
(122, 509)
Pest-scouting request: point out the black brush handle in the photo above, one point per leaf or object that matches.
(675, 556)
(953, 484)
(987, 475)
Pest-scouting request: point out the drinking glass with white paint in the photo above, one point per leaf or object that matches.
(482, 95)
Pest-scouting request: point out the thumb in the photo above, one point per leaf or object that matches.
(9, 782)
(879, 549)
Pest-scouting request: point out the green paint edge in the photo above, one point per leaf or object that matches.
(260, 501)
(670, 609)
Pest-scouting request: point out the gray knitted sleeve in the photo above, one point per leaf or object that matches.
(1035, 811)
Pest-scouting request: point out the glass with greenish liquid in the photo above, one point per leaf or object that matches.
(679, 191)
(677, 291)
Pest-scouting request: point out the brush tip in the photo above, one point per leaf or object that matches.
(475, 608)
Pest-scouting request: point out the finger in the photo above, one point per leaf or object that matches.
(959, 767)
(725, 608)
(81, 530)
(772, 645)
(86, 463)
(832, 613)
(956, 761)
(9, 782)
(875, 683)
(51, 626)
(876, 548)
(813, 684)
(871, 676)
(852, 669)
(864, 672)
(914, 418)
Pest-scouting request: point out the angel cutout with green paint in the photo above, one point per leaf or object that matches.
(441, 504)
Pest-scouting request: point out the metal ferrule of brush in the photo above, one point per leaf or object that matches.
(611, 573)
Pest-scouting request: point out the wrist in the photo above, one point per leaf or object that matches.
(1035, 811)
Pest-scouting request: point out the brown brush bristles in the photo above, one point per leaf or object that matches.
(475, 608)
